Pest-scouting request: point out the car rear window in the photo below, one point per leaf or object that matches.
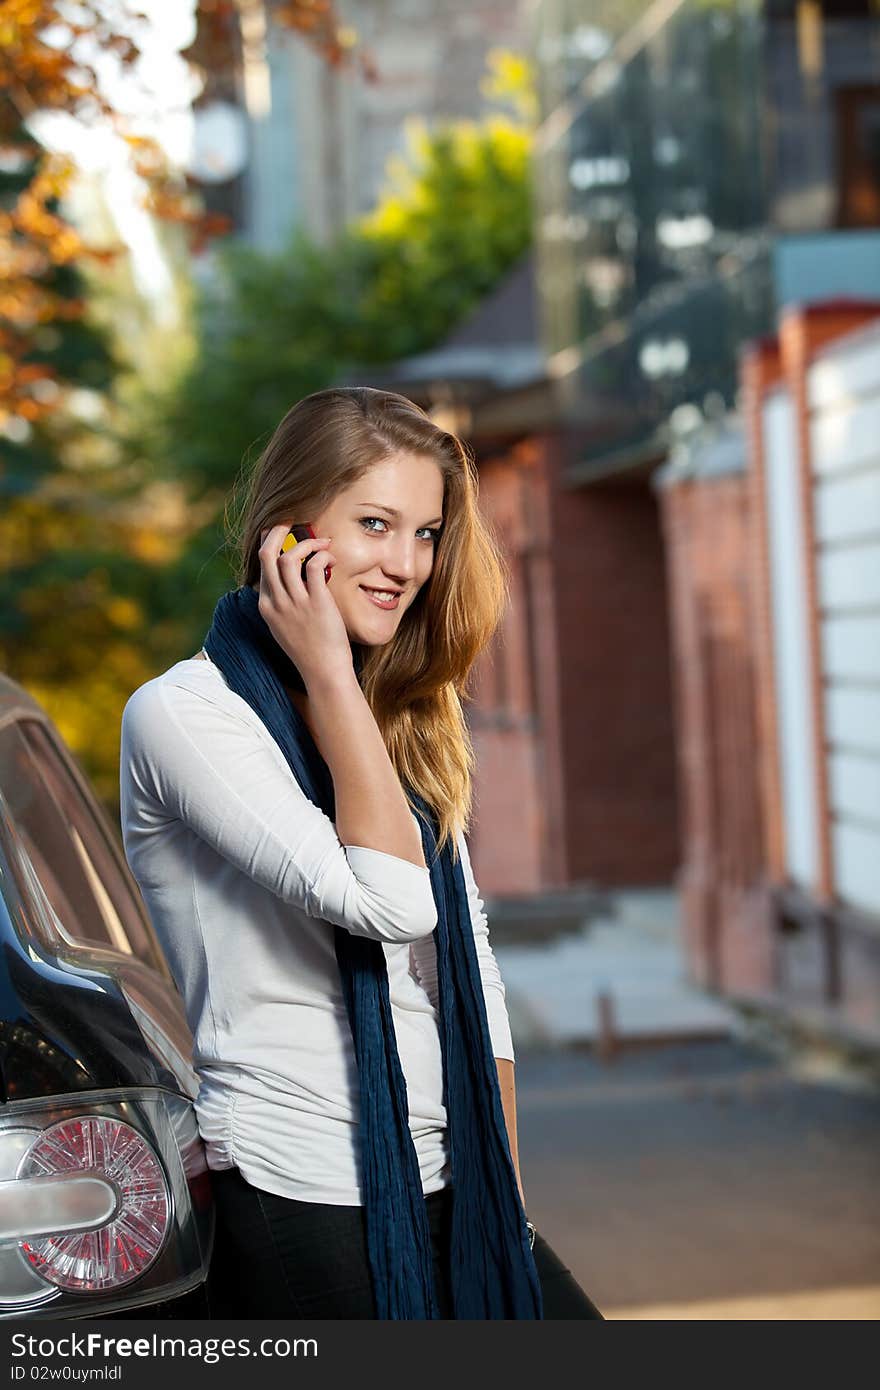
(89, 890)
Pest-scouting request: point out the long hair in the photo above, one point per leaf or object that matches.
(416, 683)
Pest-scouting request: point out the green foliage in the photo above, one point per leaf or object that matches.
(455, 216)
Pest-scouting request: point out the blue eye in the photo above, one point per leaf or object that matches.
(433, 532)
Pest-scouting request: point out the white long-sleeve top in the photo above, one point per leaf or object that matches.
(243, 877)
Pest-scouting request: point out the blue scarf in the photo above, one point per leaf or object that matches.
(492, 1270)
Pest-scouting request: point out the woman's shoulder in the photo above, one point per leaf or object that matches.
(193, 671)
(187, 689)
(182, 723)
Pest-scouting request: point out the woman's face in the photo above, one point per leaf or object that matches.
(382, 533)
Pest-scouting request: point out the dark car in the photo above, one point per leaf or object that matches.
(105, 1195)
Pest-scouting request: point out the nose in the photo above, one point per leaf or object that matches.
(399, 558)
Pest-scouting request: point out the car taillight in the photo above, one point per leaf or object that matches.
(120, 1247)
(105, 1203)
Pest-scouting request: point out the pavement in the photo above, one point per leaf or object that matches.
(704, 1180)
(686, 1158)
(616, 977)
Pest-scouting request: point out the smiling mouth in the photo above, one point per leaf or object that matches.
(382, 598)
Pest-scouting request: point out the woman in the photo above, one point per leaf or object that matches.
(294, 800)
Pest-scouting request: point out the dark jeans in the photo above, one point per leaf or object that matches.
(275, 1257)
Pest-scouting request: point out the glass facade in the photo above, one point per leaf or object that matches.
(678, 141)
(822, 94)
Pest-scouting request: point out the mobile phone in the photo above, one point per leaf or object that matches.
(302, 533)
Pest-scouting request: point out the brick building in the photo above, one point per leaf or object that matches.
(572, 720)
(773, 538)
(700, 179)
(708, 534)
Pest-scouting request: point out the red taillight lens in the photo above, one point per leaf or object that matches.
(126, 1246)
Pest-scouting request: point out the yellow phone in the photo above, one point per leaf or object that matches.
(302, 533)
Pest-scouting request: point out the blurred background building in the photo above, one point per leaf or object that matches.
(678, 441)
(703, 169)
(315, 139)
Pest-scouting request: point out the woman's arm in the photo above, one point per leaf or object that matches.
(371, 808)
(193, 752)
(508, 1101)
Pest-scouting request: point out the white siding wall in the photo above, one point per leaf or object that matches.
(844, 400)
(791, 640)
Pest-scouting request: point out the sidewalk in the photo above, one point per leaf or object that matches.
(703, 1180)
(616, 979)
(726, 1175)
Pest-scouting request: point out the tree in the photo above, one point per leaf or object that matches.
(86, 613)
(455, 215)
(50, 56)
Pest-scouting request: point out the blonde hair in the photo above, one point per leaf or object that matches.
(414, 684)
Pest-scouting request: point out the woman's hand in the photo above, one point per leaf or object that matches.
(303, 618)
